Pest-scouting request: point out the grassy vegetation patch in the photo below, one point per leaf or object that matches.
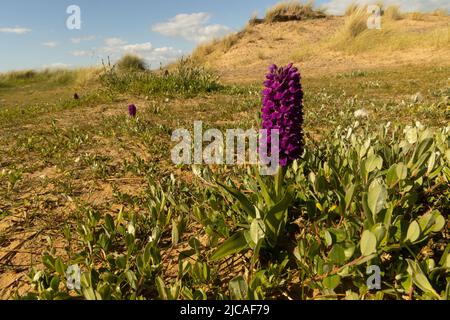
(185, 78)
(293, 11)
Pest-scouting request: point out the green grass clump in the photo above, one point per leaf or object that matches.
(131, 63)
(293, 11)
(355, 24)
(185, 78)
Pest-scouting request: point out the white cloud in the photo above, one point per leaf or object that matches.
(81, 39)
(164, 49)
(56, 65)
(113, 45)
(162, 55)
(50, 44)
(138, 47)
(15, 30)
(114, 42)
(339, 6)
(81, 53)
(117, 47)
(192, 27)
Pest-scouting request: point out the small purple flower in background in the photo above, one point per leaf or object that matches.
(283, 110)
(132, 110)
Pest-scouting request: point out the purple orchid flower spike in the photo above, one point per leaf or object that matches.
(283, 110)
(132, 110)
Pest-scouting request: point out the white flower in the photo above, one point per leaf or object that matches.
(361, 113)
(131, 230)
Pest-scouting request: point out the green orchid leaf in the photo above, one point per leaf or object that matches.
(243, 200)
(235, 244)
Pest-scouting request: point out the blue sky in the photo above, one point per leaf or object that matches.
(33, 34)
